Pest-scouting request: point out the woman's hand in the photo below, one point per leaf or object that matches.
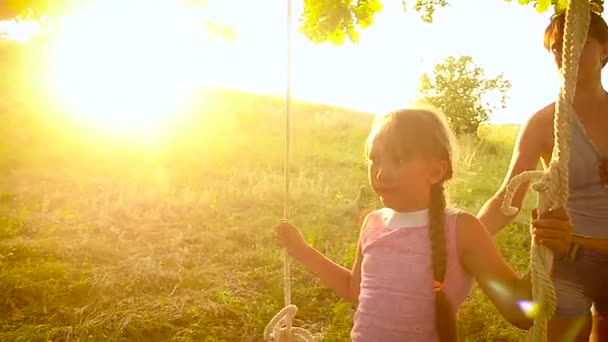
(288, 236)
(553, 230)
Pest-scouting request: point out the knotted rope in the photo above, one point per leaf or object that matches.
(552, 184)
(280, 329)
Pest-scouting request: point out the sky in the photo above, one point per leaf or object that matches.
(382, 71)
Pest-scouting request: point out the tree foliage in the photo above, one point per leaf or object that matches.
(322, 21)
(460, 89)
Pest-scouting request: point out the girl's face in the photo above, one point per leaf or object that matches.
(590, 62)
(403, 184)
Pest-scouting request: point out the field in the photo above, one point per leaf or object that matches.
(101, 240)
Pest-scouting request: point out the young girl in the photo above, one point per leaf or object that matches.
(579, 282)
(416, 259)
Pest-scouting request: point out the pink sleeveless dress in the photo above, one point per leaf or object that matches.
(396, 301)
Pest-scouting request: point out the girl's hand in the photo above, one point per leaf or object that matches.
(289, 237)
(553, 230)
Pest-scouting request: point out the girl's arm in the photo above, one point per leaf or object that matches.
(480, 258)
(345, 282)
(526, 154)
(342, 280)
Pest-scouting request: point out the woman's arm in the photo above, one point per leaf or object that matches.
(526, 154)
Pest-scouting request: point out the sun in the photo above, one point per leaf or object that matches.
(126, 65)
(19, 31)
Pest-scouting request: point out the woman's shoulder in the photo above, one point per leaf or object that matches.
(535, 136)
(541, 120)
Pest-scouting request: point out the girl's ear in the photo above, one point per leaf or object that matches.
(604, 50)
(437, 171)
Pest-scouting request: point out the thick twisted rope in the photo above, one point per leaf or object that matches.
(552, 184)
(280, 328)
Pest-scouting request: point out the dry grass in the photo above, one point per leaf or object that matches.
(99, 243)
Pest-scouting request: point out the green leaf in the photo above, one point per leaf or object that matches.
(561, 5)
(542, 5)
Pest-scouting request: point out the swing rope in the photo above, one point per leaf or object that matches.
(552, 184)
(280, 327)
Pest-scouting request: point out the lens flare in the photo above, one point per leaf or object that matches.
(529, 308)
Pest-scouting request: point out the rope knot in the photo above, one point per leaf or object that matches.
(542, 185)
(278, 329)
(514, 184)
(545, 181)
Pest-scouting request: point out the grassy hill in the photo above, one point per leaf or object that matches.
(101, 240)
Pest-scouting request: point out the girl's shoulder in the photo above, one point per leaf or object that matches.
(370, 217)
(451, 211)
(464, 220)
(469, 230)
(459, 217)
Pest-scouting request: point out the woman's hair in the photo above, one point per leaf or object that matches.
(424, 133)
(598, 30)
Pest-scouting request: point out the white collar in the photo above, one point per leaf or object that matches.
(396, 220)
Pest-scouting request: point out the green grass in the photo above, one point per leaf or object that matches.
(173, 242)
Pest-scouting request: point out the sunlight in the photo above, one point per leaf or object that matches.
(126, 65)
(20, 31)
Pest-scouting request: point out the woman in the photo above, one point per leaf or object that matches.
(577, 280)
